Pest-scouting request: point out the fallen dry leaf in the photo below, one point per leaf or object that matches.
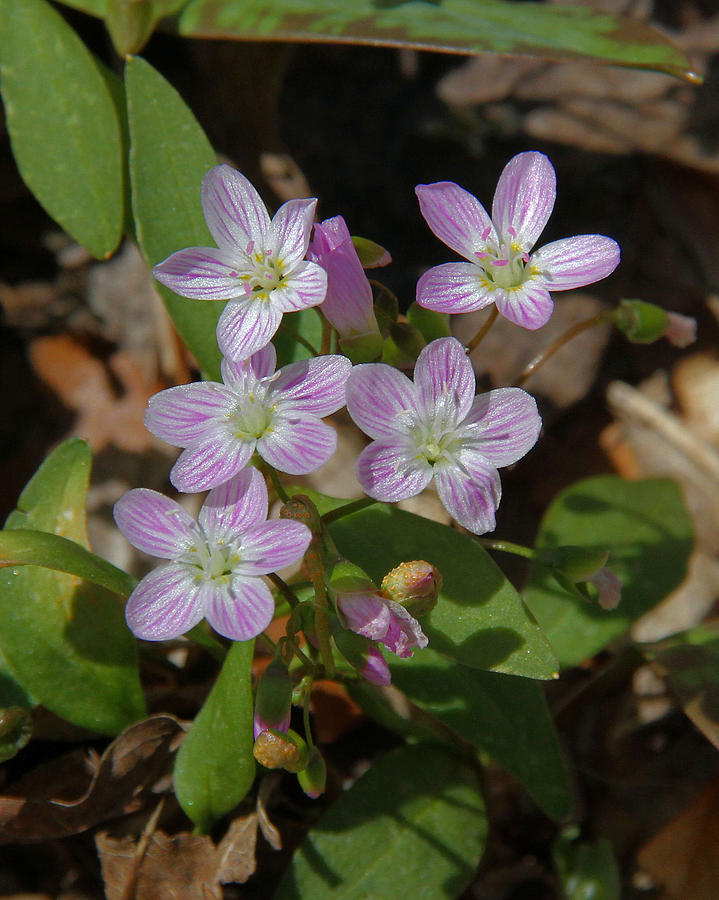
(235, 858)
(76, 792)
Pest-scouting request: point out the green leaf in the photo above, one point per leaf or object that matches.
(12, 692)
(505, 716)
(91, 7)
(15, 731)
(169, 157)
(690, 662)
(215, 767)
(649, 535)
(62, 122)
(305, 324)
(479, 620)
(413, 825)
(455, 26)
(64, 640)
(587, 870)
(22, 547)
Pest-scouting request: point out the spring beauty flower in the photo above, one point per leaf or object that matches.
(214, 564)
(500, 267)
(375, 617)
(435, 428)
(258, 264)
(278, 414)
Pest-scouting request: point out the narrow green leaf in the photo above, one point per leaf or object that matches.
(91, 7)
(305, 324)
(451, 26)
(649, 535)
(414, 825)
(65, 640)
(479, 620)
(62, 122)
(505, 716)
(169, 157)
(215, 767)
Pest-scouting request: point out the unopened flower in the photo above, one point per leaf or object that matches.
(278, 414)
(435, 428)
(500, 267)
(273, 703)
(215, 564)
(376, 670)
(415, 585)
(644, 323)
(375, 617)
(609, 588)
(681, 331)
(258, 264)
(348, 304)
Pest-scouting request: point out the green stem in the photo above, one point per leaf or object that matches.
(479, 336)
(507, 547)
(347, 509)
(284, 589)
(268, 642)
(326, 340)
(557, 344)
(281, 492)
(306, 717)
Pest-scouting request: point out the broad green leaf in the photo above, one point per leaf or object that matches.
(414, 825)
(305, 324)
(649, 535)
(22, 547)
(169, 157)
(131, 23)
(587, 870)
(690, 662)
(92, 7)
(62, 122)
(505, 716)
(12, 693)
(454, 26)
(65, 640)
(215, 767)
(479, 620)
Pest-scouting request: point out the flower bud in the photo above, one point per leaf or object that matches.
(274, 698)
(361, 655)
(278, 750)
(313, 778)
(644, 323)
(414, 585)
(576, 567)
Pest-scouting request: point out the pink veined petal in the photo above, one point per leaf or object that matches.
(576, 261)
(246, 326)
(234, 507)
(272, 545)
(166, 603)
(240, 609)
(348, 305)
(455, 288)
(381, 400)
(456, 217)
(376, 670)
(186, 414)
(258, 725)
(366, 613)
(524, 198)
(202, 273)
(444, 379)
(528, 306)
(470, 491)
(390, 471)
(316, 385)
(234, 211)
(304, 286)
(502, 425)
(328, 236)
(291, 229)
(404, 631)
(155, 524)
(297, 445)
(211, 463)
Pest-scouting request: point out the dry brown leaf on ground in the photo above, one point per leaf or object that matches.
(684, 857)
(76, 792)
(235, 858)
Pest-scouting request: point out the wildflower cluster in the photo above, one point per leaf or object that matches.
(429, 429)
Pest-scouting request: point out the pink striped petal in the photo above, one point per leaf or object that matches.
(528, 306)
(272, 545)
(376, 670)
(246, 327)
(202, 273)
(456, 217)
(297, 446)
(455, 288)
(305, 286)
(316, 385)
(234, 507)
(291, 228)
(390, 470)
(211, 463)
(503, 425)
(470, 492)
(166, 603)
(241, 610)
(524, 198)
(381, 400)
(155, 524)
(234, 211)
(576, 261)
(186, 414)
(445, 380)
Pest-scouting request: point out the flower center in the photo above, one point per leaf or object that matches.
(504, 262)
(212, 562)
(433, 446)
(251, 418)
(267, 271)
